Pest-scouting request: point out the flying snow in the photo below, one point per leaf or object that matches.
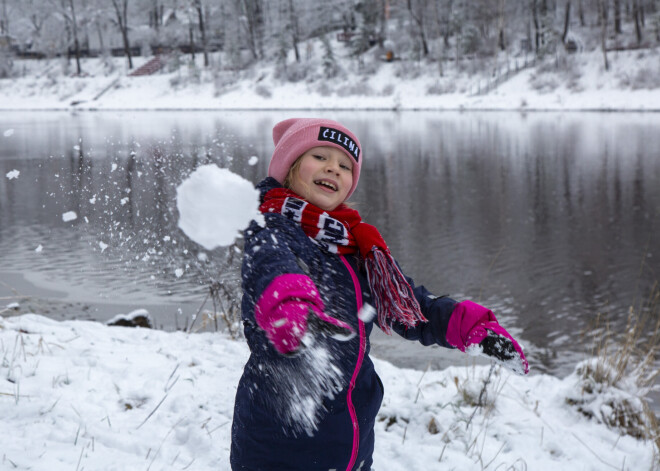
(69, 216)
(8, 133)
(215, 205)
(253, 160)
(13, 174)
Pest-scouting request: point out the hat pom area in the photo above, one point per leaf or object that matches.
(295, 136)
(280, 128)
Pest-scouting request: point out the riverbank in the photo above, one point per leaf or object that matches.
(79, 394)
(577, 82)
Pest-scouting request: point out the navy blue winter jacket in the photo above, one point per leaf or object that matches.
(314, 410)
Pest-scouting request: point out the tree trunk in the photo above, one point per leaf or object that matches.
(581, 13)
(603, 32)
(191, 41)
(76, 45)
(638, 28)
(567, 21)
(617, 16)
(122, 20)
(293, 22)
(419, 20)
(202, 31)
(4, 21)
(500, 24)
(537, 32)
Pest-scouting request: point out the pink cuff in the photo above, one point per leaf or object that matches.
(467, 324)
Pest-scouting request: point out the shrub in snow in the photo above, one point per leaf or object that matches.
(614, 403)
(388, 90)
(360, 88)
(138, 318)
(263, 91)
(441, 87)
(6, 64)
(611, 387)
(330, 67)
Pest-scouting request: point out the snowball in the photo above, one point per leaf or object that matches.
(215, 205)
(69, 216)
(8, 133)
(13, 174)
(178, 272)
(253, 160)
(39, 248)
(103, 246)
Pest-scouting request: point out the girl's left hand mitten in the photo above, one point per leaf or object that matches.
(284, 310)
(473, 327)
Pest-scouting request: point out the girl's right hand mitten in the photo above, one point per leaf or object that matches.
(474, 328)
(291, 306)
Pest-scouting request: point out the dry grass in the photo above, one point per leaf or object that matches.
(615, 383)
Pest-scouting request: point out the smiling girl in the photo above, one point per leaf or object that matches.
(309, 394)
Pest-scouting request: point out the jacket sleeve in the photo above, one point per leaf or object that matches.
(268, 252)
(437, 310)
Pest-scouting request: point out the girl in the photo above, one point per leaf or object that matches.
(316, 280)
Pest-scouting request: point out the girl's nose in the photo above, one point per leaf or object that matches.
(332, 167)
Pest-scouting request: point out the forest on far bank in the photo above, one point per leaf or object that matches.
(246, 32)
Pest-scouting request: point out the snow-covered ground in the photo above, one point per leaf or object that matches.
(568, 82)
(81, 395)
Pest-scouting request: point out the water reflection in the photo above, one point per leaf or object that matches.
(549, 218)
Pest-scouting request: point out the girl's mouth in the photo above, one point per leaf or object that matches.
(326, 184)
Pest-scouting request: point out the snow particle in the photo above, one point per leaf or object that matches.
(253, 160)
(13, 174)
(69, 216)
(103, 246)
(178, 272)
(39, 248)
(8, 133)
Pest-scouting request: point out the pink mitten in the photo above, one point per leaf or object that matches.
(283, 310)
(474, 325)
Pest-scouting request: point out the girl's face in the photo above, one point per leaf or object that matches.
(324, 177)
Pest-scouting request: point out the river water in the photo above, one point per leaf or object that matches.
(550, 219)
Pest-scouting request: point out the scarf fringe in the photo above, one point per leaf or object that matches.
(393, 296)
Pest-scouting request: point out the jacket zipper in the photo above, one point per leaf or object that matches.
(351, 386)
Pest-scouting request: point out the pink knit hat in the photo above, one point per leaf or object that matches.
(293, 137)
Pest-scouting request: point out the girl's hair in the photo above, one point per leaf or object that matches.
(292, 173)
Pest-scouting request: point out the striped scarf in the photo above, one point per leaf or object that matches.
(342, 232)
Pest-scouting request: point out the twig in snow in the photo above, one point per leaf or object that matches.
(152, 412)
(163, 441)
(51, 407)
(494, 457)
(189, 464)
(593, 453)
(169, 386)
(198, 311)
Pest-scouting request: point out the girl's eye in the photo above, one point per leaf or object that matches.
(345, 167)
(319, 157)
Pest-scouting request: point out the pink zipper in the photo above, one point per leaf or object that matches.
(351, 386)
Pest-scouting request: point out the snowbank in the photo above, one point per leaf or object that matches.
(79, 394)
(575, 82)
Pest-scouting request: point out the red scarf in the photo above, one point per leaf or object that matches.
(342, 232)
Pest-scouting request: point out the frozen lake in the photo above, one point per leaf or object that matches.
(551, 219)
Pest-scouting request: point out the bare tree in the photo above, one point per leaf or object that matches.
(121, 12)
(253, 13)
(417, 10)
(637, 19)
(68, 11)
(602, 4)
(567, 21)
(202, 30)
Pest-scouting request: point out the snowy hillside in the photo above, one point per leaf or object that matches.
(565, 82)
